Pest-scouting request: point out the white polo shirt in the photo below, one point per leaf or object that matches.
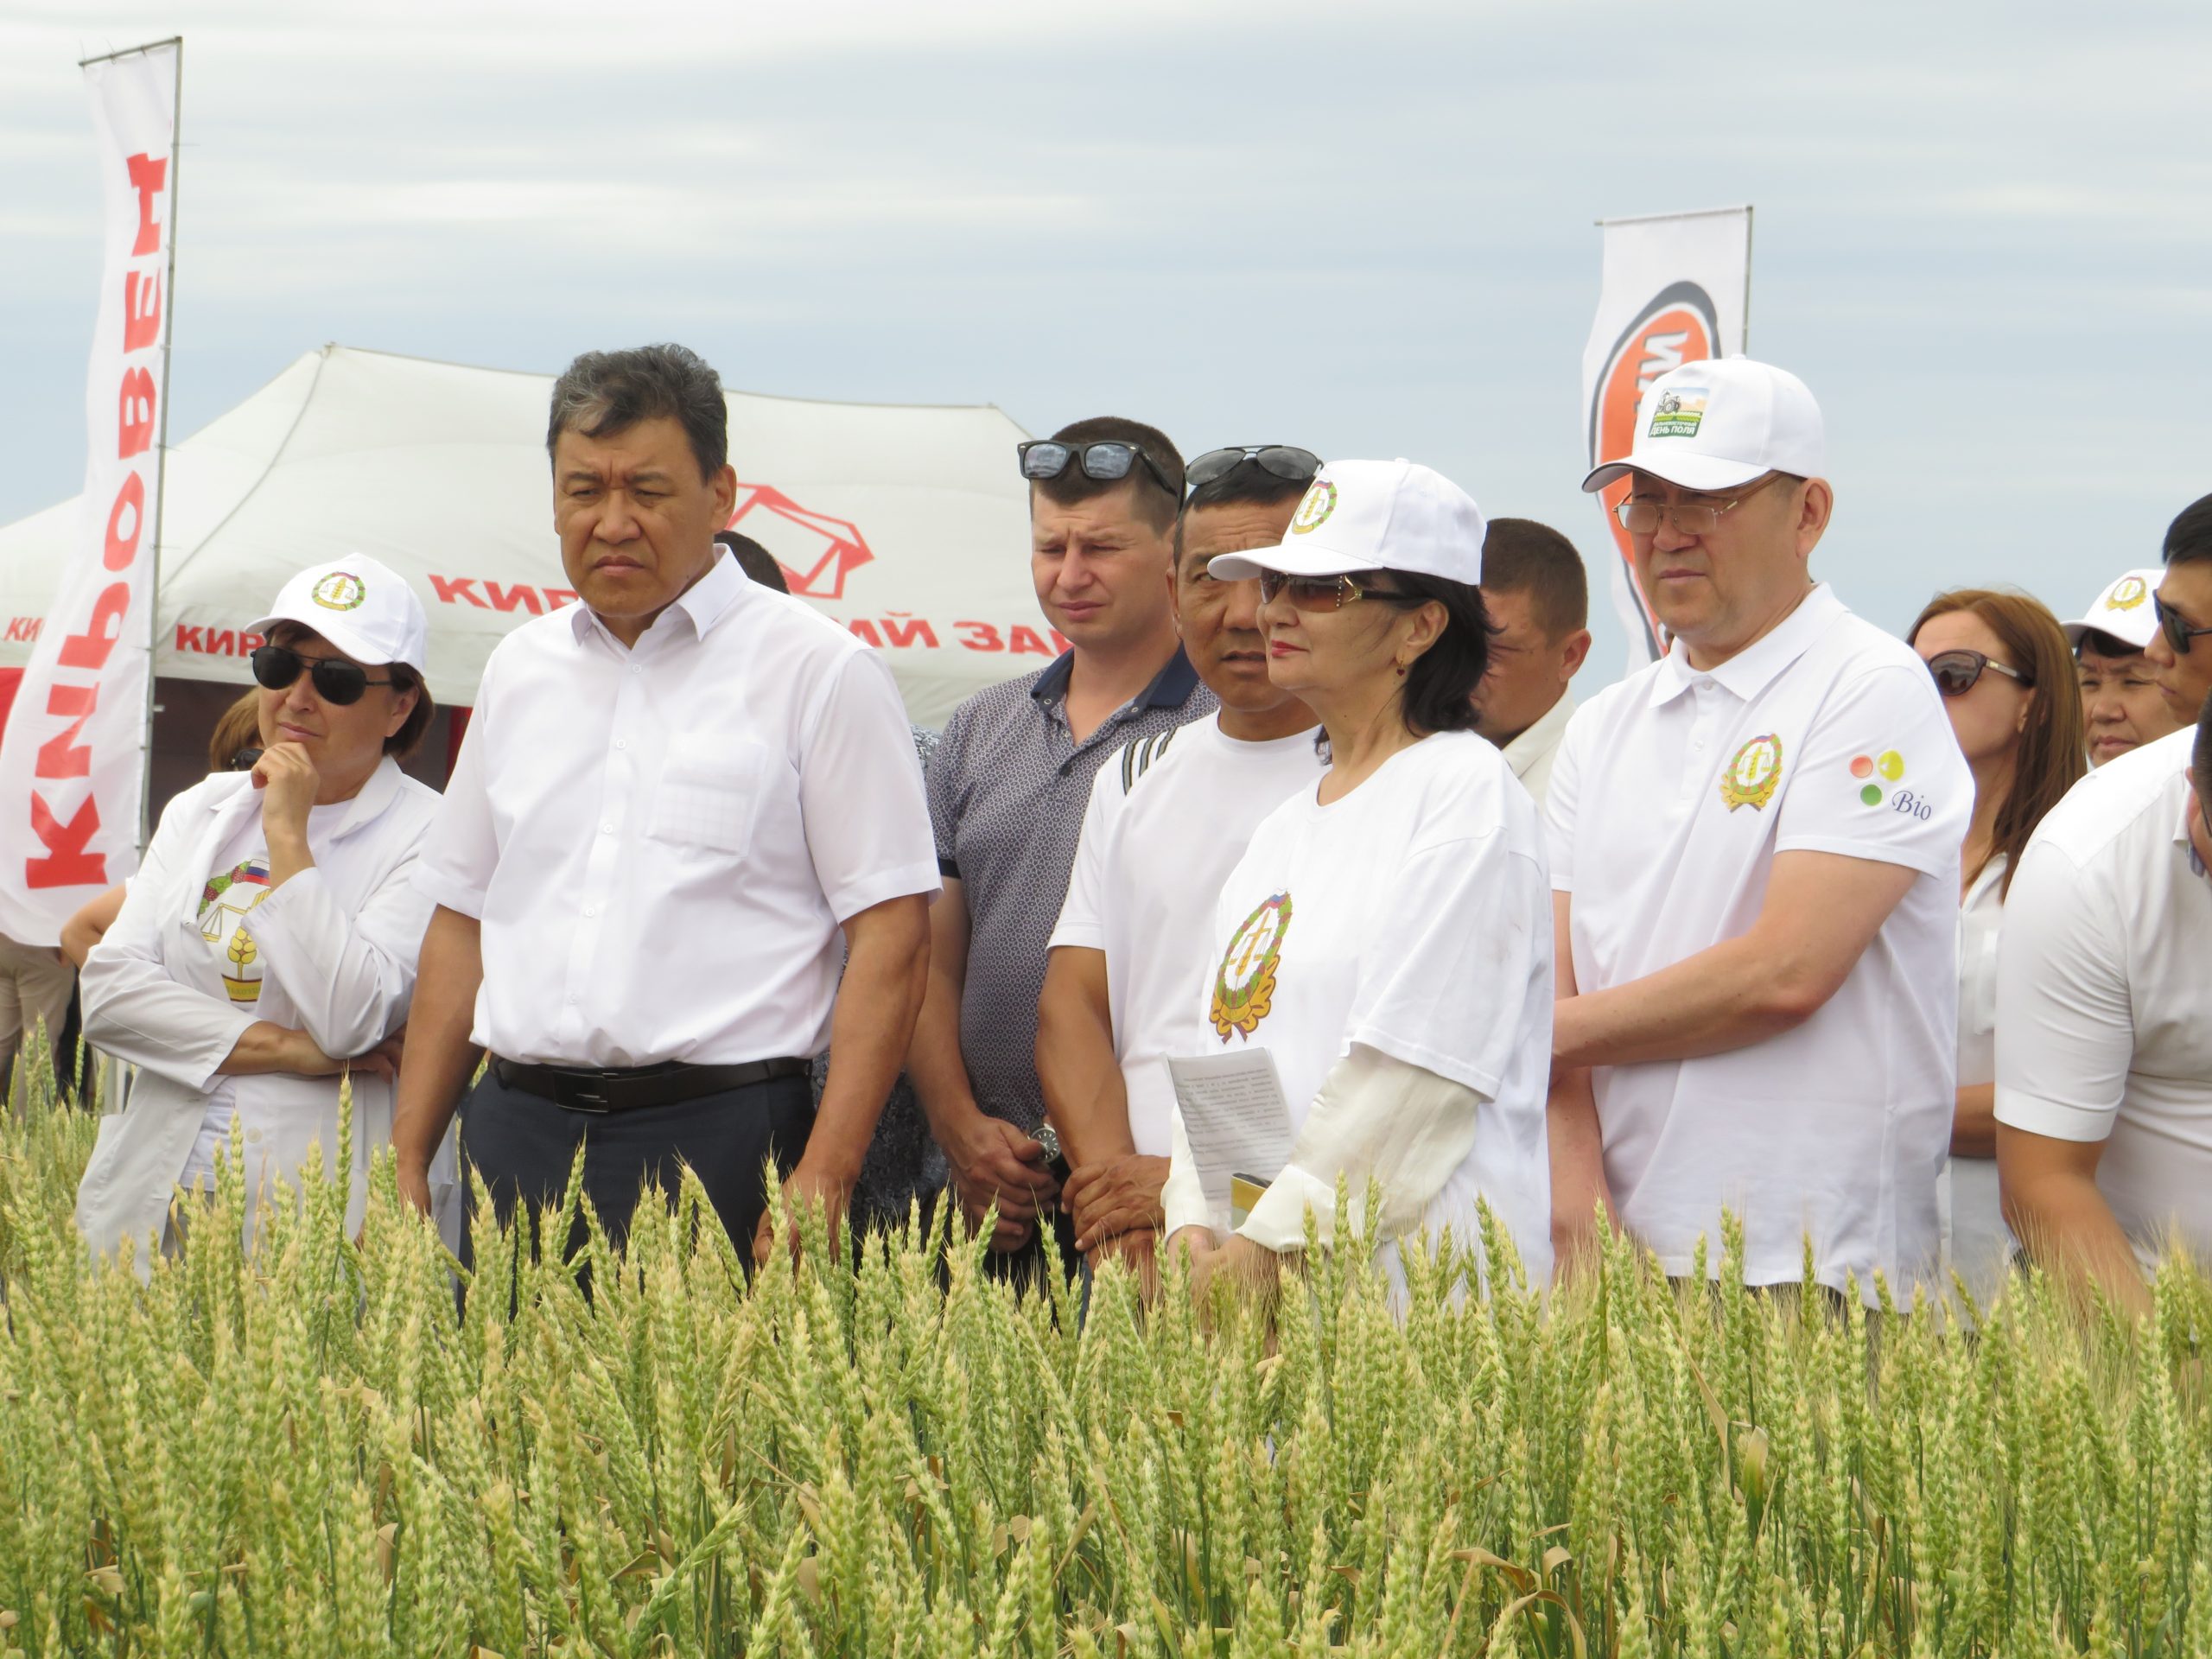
(2104, 992)
(1168, 818)
(1672, 794)
(661, 843)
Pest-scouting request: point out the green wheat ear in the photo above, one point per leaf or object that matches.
(304, 1445)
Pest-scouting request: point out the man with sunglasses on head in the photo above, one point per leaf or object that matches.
(677, 799)
(1755, 865)
(1008, 787)
(2104, 985)
(1168, 819)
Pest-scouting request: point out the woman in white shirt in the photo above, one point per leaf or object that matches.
(1386, 938)
(2007, 677)
(269, 939)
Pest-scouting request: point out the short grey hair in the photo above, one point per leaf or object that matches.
(604, 393)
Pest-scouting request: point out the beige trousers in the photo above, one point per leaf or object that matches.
(35, 984)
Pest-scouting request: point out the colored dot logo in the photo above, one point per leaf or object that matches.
(1889, 764)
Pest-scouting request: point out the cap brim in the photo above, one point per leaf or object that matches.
(334, 630)
(2111, 627)
(1303, 557)
(1689, 470)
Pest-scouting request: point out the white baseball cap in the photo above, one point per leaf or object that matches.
(361, 606)
(1721, 422)
(2124, 610)
(1373, 515)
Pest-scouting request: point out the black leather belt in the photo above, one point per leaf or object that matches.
(578, 1088)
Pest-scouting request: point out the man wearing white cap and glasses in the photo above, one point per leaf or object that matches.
(1755, 863)
(1384, 941)
(270, 937)
(2120, 700)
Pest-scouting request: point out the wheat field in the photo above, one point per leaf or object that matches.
(310, 1451)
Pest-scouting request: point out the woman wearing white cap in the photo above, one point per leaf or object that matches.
(269, 939)
(1387, 936)
(2119, 694)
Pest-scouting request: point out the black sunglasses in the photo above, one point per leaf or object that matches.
(1957, 671)
(1047, 458)
(275, 668)
(1284, 460)
(2177, 631)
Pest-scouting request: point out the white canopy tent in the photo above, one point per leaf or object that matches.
(907, 525)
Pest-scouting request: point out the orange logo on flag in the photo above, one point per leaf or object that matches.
(818, 552)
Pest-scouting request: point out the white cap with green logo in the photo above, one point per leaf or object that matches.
(1373, 515)
(1722, 422)
(359, 605)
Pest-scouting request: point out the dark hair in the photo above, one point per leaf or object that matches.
(604, 393)
(1440, 682)
(756, 561)
(2188, 538)
(2104, 645)
(1522, 556)
(1159, 507)
(408, 738)
(240, 728)
(2053, 749)
(1246, 483)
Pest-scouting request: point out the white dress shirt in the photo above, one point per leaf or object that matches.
(2104, 992)
(1976, 1242)
(1674, 792)
(1530, 754)
(661, 843)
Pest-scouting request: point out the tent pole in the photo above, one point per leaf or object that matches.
(162, 478)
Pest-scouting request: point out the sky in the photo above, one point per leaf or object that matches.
(1983, 232)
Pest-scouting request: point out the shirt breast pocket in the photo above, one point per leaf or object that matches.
(709, 794)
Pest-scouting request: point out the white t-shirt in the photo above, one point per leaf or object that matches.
(239, 882)
(2104, 992)
(1672, 794)
(1976, 1241)
(1169, 817)
(1411, 917)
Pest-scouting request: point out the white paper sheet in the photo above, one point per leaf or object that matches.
(1234, 1116)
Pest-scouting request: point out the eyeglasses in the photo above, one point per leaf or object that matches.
(1297, 465)
(1323, 593)
(2177, 631)
(275, 668)
(1641, 517)
(1047, 458)
(1957, 671)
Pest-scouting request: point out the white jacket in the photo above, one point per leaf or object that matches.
(338, 945)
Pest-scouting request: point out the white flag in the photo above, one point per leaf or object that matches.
(1675, 288)
(73, 760)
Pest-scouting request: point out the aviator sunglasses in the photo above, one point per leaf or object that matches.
(275, 668)
(1958, 671)
(1284, 460)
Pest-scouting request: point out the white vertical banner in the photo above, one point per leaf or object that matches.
(1676, 287)
(72, 761)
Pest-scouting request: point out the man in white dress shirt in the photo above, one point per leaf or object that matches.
(672, 799)
(1755, 865)
(1538, 598)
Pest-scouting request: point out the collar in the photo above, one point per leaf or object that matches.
(1750, 671)
(704, 603)
(241, 800)
(1170, 688)
(1524, 750)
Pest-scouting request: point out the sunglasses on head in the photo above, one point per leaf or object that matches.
(1283, 460)
(1047, 458)
(2174, 627)
(1323, 593)
(276, 667)
(1958, 671)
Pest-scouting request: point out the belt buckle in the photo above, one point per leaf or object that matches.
(591, 1091)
